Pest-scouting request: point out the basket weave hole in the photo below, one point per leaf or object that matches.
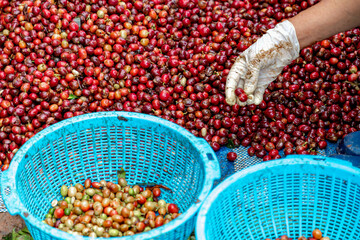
(7, 191)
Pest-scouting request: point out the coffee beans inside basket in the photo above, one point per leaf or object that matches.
(106, 209)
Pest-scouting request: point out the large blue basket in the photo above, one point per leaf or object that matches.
(291, 196)
(97, 145)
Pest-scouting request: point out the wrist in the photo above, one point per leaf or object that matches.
(302, 33)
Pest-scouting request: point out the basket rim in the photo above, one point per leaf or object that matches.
(211, 171)
(200, 229)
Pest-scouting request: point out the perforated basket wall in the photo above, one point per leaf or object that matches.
(292, 196)
(96, 146)
(2, 206)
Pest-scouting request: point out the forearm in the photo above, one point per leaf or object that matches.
(325, 19)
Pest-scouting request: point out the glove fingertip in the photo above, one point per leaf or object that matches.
(259, 94)
(258, 100)
(250, 99)
(230, 101)
(241, 104)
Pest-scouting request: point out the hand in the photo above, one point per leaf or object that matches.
(261, 63)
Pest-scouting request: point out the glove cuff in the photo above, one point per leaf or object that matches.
(287, 30)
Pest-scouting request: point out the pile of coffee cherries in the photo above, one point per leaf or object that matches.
(171, 58)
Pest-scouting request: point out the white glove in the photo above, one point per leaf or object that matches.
(261, 63)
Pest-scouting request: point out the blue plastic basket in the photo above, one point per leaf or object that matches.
(291, 196)
(97, 145)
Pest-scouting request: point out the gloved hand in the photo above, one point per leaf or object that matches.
(261, 63)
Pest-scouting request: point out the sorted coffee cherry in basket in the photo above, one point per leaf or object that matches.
(106, 209)
(316, 235)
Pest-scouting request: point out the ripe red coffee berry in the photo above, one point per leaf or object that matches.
(231, 156)
(173, 208)
(243, 97)
(59, 213)
(322, 144)
(164, 95)
(241, 94)
(239, 91)
(267, 158)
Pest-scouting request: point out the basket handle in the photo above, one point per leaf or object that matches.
(212, 163)
(9, 192)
